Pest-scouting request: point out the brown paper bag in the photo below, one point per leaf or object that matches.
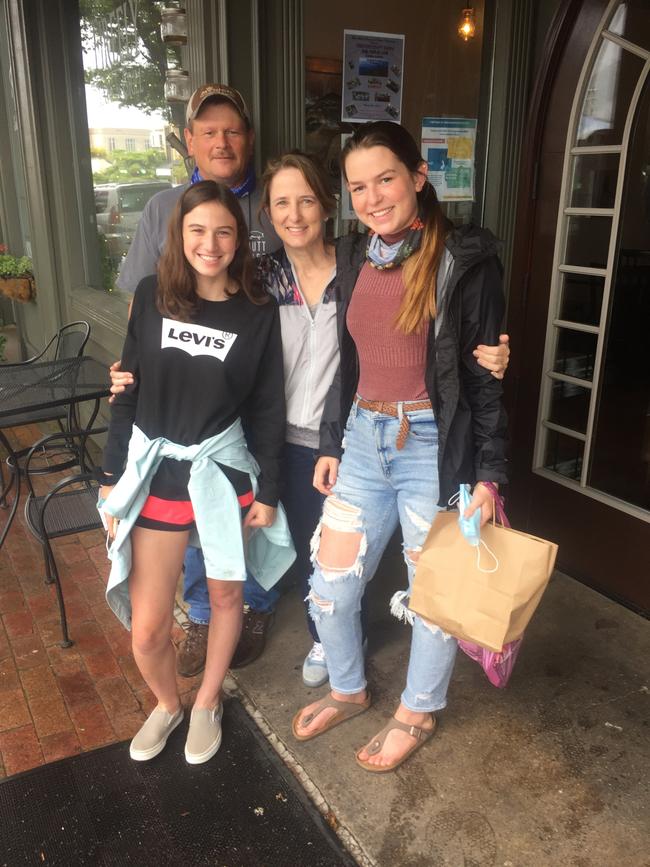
(487, 608)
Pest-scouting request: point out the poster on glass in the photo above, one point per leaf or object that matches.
(448, 146)
(373, 65)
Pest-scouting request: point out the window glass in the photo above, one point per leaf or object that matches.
(575, 353)
(582, 297)
(620, 460)
(631, 20)
(340, 92)
(125, 62)
(594, 180)
(569, 405)
(587, 241)
(563, 455)
(607, 99)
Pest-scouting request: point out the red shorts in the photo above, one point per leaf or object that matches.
(159, 514)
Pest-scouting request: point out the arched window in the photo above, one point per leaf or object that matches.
(594, 413)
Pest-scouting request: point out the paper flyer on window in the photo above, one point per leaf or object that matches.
(373, 75)
(448, 146)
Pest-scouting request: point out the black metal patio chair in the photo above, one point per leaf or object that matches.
(68, 508)
(68, 342)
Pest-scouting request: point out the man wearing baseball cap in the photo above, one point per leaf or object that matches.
(220, 137)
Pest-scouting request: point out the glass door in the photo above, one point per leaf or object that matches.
(594, 414)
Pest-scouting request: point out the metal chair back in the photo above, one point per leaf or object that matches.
(71, 339)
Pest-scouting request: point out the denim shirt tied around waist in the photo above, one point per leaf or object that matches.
(269, 551)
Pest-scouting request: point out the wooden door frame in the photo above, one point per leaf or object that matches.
(610, 559)
(557, 38)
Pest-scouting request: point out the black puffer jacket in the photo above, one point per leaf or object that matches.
(466, 398)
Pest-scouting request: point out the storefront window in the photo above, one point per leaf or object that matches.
(432, 88)
(125, 63)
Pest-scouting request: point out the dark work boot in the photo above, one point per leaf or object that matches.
(190, 656)
(253, 637)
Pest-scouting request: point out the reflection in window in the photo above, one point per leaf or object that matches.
(587, 241)
(632, 21)
(569, 405)
(582, 297)
(604, 110)
(594, 180)
(563, 455)
(125, 62)
(575, 353)
(620, 462)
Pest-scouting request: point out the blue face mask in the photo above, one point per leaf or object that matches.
(469, 527)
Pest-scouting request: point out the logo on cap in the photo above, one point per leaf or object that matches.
(223, 91)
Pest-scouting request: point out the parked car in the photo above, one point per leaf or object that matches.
(118, 211)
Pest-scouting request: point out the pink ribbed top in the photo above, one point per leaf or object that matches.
(391, 363)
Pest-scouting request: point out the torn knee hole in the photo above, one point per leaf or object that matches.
(413, 555)
(339, 542)
(319, 606)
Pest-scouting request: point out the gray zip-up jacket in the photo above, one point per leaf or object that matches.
(309, 347)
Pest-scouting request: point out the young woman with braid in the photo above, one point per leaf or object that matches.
(410, 415)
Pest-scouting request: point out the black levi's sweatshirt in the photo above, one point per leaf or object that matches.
(192, 380)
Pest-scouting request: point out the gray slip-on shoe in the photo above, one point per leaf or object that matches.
(152, 737)
(204, 734)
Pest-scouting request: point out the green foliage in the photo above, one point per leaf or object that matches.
(108, 266)
(131, 58)
(132, 165)
(179, 172)
(3, 341)
(15, 266)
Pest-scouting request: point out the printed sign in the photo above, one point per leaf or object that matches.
(196, 339)
(448, 146)
(373, 66)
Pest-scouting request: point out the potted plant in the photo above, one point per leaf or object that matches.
(16, 276)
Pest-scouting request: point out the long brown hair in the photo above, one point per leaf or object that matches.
(177, 296)
(313, 173)
(420, 269)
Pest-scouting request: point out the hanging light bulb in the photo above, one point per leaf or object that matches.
(467, 26)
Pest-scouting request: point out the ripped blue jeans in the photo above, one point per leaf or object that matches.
(378, 486)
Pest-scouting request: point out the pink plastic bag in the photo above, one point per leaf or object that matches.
(497, 666)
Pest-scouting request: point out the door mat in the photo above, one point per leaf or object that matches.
(241, 808)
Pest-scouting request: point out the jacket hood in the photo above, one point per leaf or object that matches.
(472, 244)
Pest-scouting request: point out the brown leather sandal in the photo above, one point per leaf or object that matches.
(345, 710)
(376, 745)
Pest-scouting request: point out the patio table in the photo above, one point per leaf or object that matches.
(42, 385)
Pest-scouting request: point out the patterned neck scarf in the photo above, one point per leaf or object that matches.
(244, 189)
(382, 256)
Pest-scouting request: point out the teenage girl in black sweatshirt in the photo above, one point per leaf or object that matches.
(202, 340)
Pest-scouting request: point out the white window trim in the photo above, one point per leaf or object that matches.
(554, 323)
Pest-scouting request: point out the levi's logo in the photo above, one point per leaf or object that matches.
(196, 339)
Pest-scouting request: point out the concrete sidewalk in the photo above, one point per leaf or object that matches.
(551, 771)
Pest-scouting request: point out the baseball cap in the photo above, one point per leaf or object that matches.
(211, 91)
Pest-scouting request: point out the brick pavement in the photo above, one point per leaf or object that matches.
(55, 702)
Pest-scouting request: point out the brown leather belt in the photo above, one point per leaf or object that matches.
(387, 408)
